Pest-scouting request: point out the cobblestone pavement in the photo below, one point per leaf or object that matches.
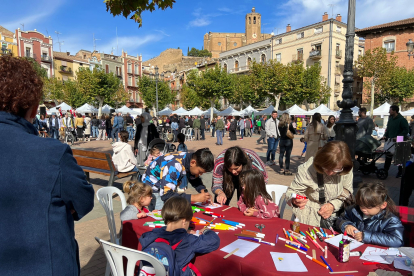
(92, 258)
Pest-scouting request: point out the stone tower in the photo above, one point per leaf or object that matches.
(253, 27)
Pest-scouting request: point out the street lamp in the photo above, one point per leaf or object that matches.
(410, 48)
(346, 128)
(157, 75)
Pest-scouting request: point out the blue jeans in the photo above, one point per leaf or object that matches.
(108, 133)
(272, 144)
(202, 134)
(242, 133)
(219, 134)
(130, 130)
(303, 130)
(54, 133)
(115, 132)
(95, 131)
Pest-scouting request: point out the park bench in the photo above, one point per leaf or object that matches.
(100, 163)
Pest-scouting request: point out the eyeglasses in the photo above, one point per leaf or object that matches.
(334, 170)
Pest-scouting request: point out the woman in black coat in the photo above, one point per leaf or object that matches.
(232, 129)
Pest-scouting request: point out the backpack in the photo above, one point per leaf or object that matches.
(165, 253)
(103, 124)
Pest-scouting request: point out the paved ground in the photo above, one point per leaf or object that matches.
(92, 258)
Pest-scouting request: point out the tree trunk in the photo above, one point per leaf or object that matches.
(277, 98)
(372, 98)
(211, 109)
(305, 102)
(100, 107)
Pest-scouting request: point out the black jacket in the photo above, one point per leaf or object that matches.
(152, 134)
(190, 122)
(182, 123)
(379, 229)
(108, 123)
(202, 123)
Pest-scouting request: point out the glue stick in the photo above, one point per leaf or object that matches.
(298, 196)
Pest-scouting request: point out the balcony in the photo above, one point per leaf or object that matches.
(338, 54)
(31, 55)
(297, 57)
(65, 70)
(46, 59)
(316, 54)
(5, 51)
(239, 70)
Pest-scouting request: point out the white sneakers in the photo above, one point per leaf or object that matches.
(270, 163)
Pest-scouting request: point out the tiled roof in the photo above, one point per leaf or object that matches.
(65, 56)
(398, 23)
(6, 32)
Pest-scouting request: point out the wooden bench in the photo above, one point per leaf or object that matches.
(100, 163)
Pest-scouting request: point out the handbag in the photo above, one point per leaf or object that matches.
(322, 140)
(289, 134)
(329, 222)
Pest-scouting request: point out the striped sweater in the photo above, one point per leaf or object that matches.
(257, 164)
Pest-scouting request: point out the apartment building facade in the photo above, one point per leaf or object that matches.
(8, 43)
(66, 65)
(132, 67)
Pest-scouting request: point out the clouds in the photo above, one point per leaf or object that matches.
(200, 19)
(131, 44)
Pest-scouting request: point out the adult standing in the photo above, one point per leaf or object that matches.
(95, 127)
(108, 126)
(87, 132)
(213, 127)
(330, 128)
(202, 127)
(315, 135)
(304, 125)
(181, 125)
(365, 124)
(247, 128)
(196, 126)
(79, 122)
(146, 132)
(397, 126)
(227, 168)
(286, 142)
(43, 189)
(174, 128)
(412, 126)
(101, 128)
(233, 129)
(326, 180)
(242, 126)
(54, 125)
(129, 126)
(273, 134)
(219, 130)
(228, 123)
(67, 123)
(118, 125)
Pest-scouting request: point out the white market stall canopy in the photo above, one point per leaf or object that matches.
(296, 110)
(323, 110)
(208, 112)
(125, 110)
(63, 106)
(408, 112)
(230, 111)
(106, 109)
(383, 110)
(248, 111)
(193, 112)
(354, 109)
(86, 108)
(179, 111)
(267, 111)
(165, 112)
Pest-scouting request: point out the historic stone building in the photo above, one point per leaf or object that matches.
(220, 42)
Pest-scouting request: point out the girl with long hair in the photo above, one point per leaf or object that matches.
(330, 127)
(286, 143)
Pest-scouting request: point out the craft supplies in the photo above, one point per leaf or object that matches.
(260, 227)
(323, 259)
(355, 253)
(295, 249)
(303, 234)
(290, 237)
(318, 234)
(208, 205)
(315, 242)
(326, 252)
(277, 237)
(234, 222)
(197, 209)
(209, 223)
(333, 231)
(256, 240)
(342, 272)
(288, 241)
(314, 253)
(374, 254)
(316, 261)
(344, 249)
(244, 247)
(298, 196)
(231, 253)
(212, 214)
(299, 247)
(284, 231)
(336, 239)
(296, 226)
(226, 209)
(323, 232)
(289, 262)
(253, 233)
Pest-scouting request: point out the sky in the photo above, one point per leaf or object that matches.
(182, 26)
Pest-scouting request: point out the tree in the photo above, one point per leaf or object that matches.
(72, 95)
(190, 99)
(198, 53)
(134, 8)
(53, 90)
(377, 68)
(211, 84)
(244, 91)
(39, 69)
(147, 91)
(397, 87)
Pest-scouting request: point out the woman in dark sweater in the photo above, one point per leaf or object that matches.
(108, 126)
(286, 143)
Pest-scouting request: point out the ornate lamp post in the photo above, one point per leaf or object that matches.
(346, 128)
(157, 75)
(410, 48)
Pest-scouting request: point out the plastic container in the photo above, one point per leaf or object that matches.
(296, 226)
(344, 249)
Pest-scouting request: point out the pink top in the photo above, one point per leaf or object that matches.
(271, 210)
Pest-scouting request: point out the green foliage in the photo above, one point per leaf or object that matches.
(190, 99)
(134, 8)
(72, 94)
(399, 86)
(244, 91)
(53, 89)
(39, 69)
(198, 53)
(147, 91)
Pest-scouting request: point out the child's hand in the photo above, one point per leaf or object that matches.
(249, 212)
(191, 232)
(141, 215)
(358, 236)
(349, 229)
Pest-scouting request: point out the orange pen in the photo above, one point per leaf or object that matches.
(284, 231)
(316, 261)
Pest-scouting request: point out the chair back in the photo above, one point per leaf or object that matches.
(104, 195)
(189, 131)
(276, 191)
(183, 131)
(115, 253)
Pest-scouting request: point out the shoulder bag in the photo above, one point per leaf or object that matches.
(329, 222)
(289, 134)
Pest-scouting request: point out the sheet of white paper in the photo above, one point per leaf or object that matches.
(197, 233)
(399, 263)
(374, 254)
(245, 247)
(208, 205)
(288, 262)
(335, 241)
(155, 215)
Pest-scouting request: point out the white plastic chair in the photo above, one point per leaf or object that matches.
(276, 191)
(183, 130)
(104, 195)
(189, 134)
(114, 254)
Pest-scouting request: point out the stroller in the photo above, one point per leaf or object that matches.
(366, 148)
(69, 136)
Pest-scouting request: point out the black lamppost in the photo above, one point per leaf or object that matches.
(346, 128)
(410, 48)
(156, 86)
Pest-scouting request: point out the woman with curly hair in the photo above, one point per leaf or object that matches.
(43, 189)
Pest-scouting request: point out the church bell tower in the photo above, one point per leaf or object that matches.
(253, 26)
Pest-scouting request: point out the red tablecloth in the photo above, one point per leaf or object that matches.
(258, 262)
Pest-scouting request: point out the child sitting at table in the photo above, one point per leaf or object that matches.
(177, 214)
(373, 218)
(254, 200)
(181, 145)
(154, 153)
(139, 197)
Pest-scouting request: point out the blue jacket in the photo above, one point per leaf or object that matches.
(174, 126)
(182, 147)
(118, 122)
(40, 184)
(191, 244)
(379, 229)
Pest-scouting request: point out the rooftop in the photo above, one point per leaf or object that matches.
(399, 23)
(6, 32)
(66, 56)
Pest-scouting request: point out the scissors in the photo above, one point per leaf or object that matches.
(260, 227)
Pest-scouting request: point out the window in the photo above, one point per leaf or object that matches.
(118, 71)
(225, 66)
(359, 52)
(337, 64)
(107, 68)
(300, 35)
(300, 54)
(219, 44)
(84, 56)
(129, 68)
(129, 81)
(279, 41)
(389, 45)
(4, 45)
(249, 61)
(136, 81)
(263, 58)
(235, 44)
(278, 57)
(28, 49)
(254, 20)
(318, 30)
(44, 55)
(338, 29)
(136, 69)
(236, 65)
(250, 20)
